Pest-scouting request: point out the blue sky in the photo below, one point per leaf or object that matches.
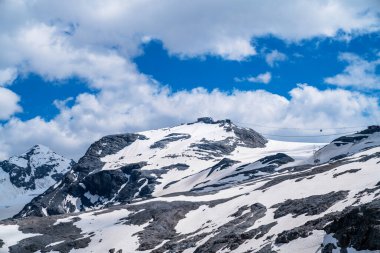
(309, 61)
(73, 71)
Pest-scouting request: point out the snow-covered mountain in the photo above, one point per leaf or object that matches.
(209, 186)
(198, 157)
(26, 176)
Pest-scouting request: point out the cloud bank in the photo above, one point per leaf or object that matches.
(96, 41)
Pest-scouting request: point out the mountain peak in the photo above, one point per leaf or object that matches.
(24, 176)
(39, 149)
(209, 120)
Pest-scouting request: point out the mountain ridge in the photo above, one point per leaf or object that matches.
(209, 186)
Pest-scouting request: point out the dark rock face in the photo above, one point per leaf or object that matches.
(277, 159)
(67, 233)
(358, 228)
(345, 172)
(230, 235)
(306, 229)
(170, 138)
(305, 171)
(310, 206)
(246, 137)
(270, 164)
(224, 163)
(249, 138)
(178, 166)
(234, 233)
(214, 148)
(161, 216)
(266, 249)
(165, 217)
(356, 137)
(265, 166)
(354, 227)
(107, 145)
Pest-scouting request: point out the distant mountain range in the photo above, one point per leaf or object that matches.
(206, 186)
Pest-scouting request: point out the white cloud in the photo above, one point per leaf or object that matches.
(7, 76)
(260, 78)
(8, 103)
(274, 57)
(151, 106)
(96, 40)
(190, 29)
(359, 73)
(44, 50)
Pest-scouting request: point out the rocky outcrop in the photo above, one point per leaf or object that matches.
(168, 139)
(358, 228)
(312, 205)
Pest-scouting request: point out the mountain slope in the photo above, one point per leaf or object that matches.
(28, 175)
(270, 197)
(202, 156)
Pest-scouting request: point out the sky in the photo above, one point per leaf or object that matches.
(74, 71)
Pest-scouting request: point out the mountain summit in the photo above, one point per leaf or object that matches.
(28, 175)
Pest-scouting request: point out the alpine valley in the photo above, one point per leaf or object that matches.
(206, 186)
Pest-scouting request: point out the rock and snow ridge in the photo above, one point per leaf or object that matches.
(197, 157)
(25, 176)
(209, 186)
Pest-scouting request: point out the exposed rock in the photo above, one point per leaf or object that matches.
(107, 145)
(358, 228)
(170, 138)
(68, 234)
(234, 233)
(230, 235)
(215, 148)
(345, 172)
(266, 249)
(306, 229)
(312, 205)
(224, 163)
(304, 172)
(277, 159)
(178, 166)
(328, 248)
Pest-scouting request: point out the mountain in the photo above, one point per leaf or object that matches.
(198, 157)
(25, 176)
(209, 186)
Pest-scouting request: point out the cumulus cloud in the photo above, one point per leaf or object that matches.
(7, 76)
(260, 78)
(8, 103)
(194, 28)
(152, 106)
(44, 50)
(96, 40)
(274, 57)
(358, 73)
